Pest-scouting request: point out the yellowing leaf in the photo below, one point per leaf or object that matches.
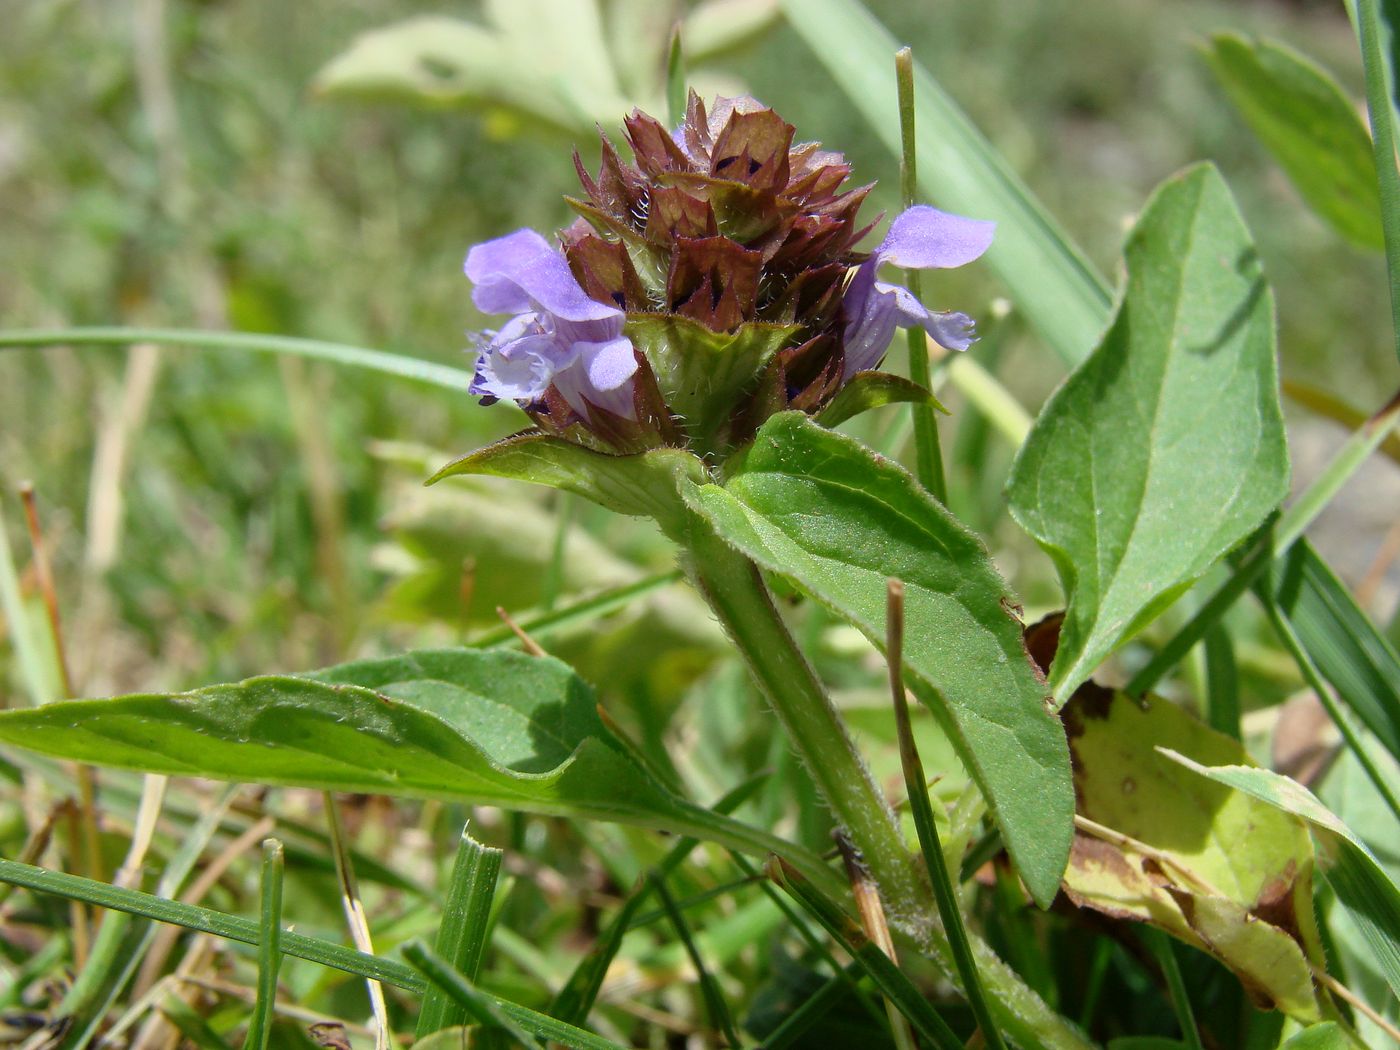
(1163, 846)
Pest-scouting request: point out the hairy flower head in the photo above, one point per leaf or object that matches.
(710, 282)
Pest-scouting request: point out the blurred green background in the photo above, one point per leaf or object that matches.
(169, 162)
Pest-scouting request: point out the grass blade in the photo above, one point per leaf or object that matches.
(269, 948)
(1161, 949)
(246, 931)
(1347, 648)
(1329, 406)
(1246, 573)
(355, 916)
(578, 994)
(22, 642)
(1222, 683)
(579, 612)
(1358, 448)
(675, 79)
(1378, 102)
(813, 1008)
(709, 987)
(840, 974)
(922, 811)
(191, 1024)
(475, 1004)
(401, 365)
(1313, 677)
(461, 937)
(887, 976)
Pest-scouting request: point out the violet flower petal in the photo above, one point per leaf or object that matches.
(601, 374)
(920, 238)
(872, 313)
(923, 238)
(516, 369)
(952, 330)
(908, 310)
(522, 271)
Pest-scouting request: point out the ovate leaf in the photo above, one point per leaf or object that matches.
(1166, 447)
(823, 510)
(1310, 126)
(463, 725)
(1171, 854)
(1360, 880)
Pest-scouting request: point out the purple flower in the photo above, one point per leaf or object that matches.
(920, 238)
(559, 336)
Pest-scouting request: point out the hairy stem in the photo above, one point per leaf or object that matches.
(736, 593)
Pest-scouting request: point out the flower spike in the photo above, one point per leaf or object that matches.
(711, 282)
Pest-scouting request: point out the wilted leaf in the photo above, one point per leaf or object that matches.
(1166, 447)
(822, 509)
(1180, 867)
(1360, 880)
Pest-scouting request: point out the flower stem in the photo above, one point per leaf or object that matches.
(736, 592)
(738, 596)
(928, 459)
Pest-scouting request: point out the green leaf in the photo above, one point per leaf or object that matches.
(1179, 867)
(402, 365)
(445, 1039)
(269, 949)
(1049, 279)
(1325, 1035)
(1360, 880)
(461, 936)
(1310, 126)
(1341, 639)
(716, 27)
(496, 727)
(1166, 447)
(473, 1002)
(642, 484)
(704, 375)
(822, 509)
(867, 390)
(543, 61)
(902, 993)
